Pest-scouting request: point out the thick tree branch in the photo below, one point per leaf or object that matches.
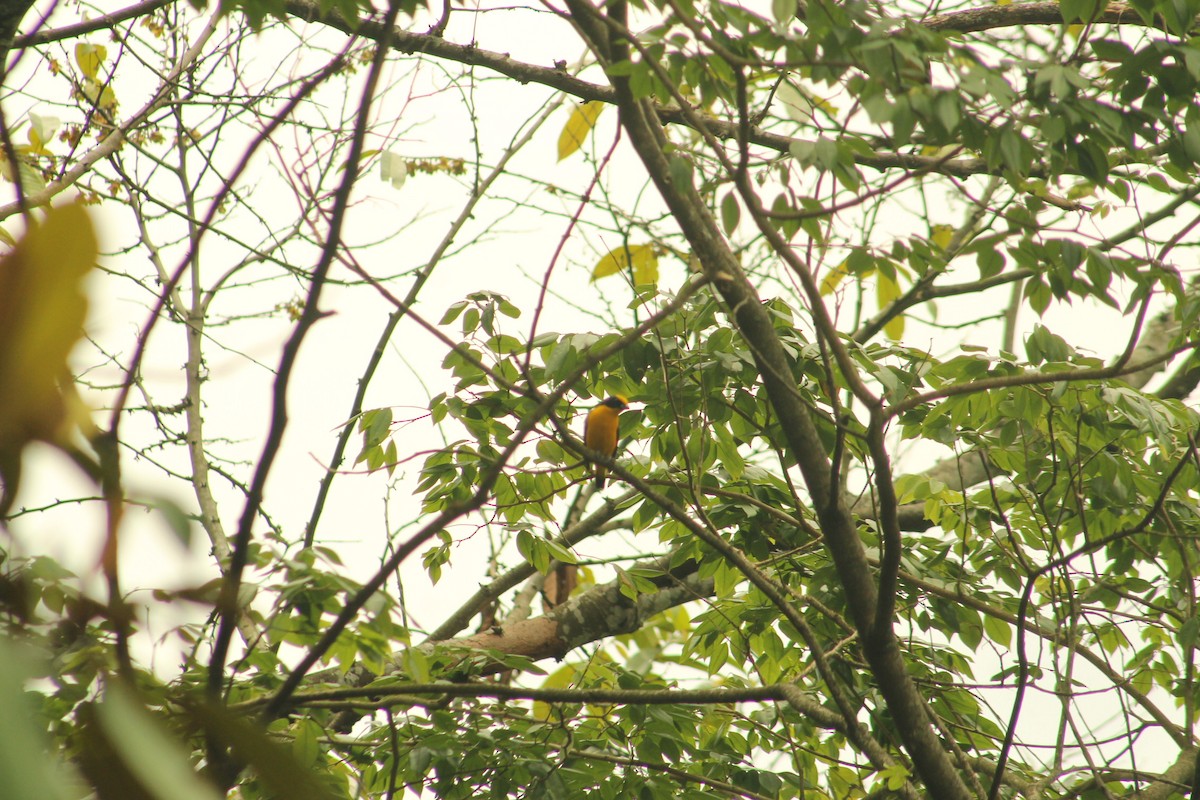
(558, 78)
(721, 267)
(597, 522)
(102, 22)
(11, 14)
(973, 20)
(1038, 378)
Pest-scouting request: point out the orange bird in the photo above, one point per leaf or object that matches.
(600, 431)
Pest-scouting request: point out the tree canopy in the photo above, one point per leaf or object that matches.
(303, 304)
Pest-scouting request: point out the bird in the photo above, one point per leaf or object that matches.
(600, 431)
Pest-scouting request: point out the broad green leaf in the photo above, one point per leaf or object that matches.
(783, 10)
(29, 768)
(795, 104)
(146, 748)
(306, 748)
(270, 760)
(579, 125)
(560, 552)
(997, 630)
(1078, 10)
(31, 178)
(990, 261)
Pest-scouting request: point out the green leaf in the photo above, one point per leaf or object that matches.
(1038, 294)
(997, 630)
(1078, 10)
(29, 769)
(560, 553)
(731, 212)
(270, 760)
(159, 762)
(681, 170)
(795, 103)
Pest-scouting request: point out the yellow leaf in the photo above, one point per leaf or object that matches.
(41, 131)
(942, 235)
(888, 290)
(100, 95)
(641, 257)
(42, 309)
(89, 57)
(834, 277)
(576, 131)
(31, 179)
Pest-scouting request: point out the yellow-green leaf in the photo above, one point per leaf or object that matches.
(795, 104)
(41, 131)
(888, 290)
(156, 761)
(31, 179)
(99, 94)
(834, 277)
(641, 257)
(42, 308)
(942, 235)
(89, 57)
(576, 131)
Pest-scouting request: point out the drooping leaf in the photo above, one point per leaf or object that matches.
(28, 768)
(731, 213)
(159, 763)
(641, 257)
(887, 291)
(579, 125)
(783, 10)
(42, 309)
(41, 132)
(795, 104)
(393, 168)
(833, 277)
(89, 57)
